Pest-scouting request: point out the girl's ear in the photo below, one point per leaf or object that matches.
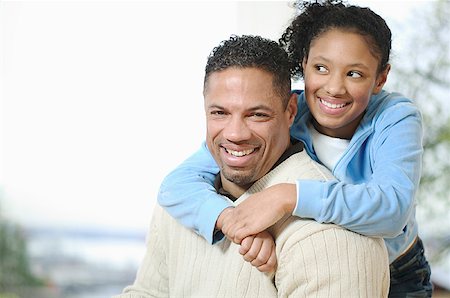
(381, 79)
(304, 63)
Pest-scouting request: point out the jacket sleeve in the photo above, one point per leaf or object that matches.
(381, 205)
(188, 194)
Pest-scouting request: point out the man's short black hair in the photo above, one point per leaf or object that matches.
(253, 51)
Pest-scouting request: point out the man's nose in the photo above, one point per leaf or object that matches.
(236, 130)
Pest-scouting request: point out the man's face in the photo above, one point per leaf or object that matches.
(247, 124)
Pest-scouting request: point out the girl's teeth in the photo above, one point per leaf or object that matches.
(332, 105)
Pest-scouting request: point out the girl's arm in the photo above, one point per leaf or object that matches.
(381, 205)
(378, 203)
(188, 194)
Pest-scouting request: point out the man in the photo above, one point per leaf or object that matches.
(249, 109)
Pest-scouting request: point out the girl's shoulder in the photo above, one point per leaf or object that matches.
(386, 111)
(391, 104)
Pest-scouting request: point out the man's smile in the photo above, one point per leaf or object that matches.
(239, 153)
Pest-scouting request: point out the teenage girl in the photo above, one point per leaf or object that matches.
(370, 139)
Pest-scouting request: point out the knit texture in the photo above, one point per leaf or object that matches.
(314, 260)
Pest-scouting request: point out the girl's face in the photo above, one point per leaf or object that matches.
(340, 76)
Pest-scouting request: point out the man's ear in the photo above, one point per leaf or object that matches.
(381, 80)
(292, 108)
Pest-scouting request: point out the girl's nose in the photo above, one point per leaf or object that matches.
(335, 85)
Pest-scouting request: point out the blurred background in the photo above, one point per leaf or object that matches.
(100, 100)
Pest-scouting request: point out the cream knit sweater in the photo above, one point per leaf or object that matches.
(314, 260)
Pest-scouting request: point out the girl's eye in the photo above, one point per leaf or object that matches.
(354, 74)
(321, 68)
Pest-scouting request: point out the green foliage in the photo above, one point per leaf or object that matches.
(14, 263)
(422, 71)
(8, 295)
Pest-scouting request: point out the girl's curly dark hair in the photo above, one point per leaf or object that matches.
(317, 17)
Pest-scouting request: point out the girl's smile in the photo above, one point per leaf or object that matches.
(340, 75)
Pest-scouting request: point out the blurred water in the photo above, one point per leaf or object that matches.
(85, 263)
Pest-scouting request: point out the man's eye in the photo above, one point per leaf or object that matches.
(354, 74)
(259, 115)
(217, 113)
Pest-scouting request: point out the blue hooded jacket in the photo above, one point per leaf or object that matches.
(377, 178)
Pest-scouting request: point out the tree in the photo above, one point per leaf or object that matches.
(14, 262)
(421, 70)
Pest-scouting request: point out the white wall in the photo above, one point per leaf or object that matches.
(99, 100)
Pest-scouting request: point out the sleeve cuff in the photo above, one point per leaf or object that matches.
(309, 199)
(207, 216)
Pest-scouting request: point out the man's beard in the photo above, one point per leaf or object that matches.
(239, 178)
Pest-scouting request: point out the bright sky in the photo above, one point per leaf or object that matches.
(100, 100)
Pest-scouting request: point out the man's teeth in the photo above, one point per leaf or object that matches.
(240, 153)
(332, 105)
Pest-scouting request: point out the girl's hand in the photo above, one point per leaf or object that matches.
(259, 250)
(258, 212)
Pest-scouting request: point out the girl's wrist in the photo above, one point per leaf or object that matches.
(289, 197)
(220, 219)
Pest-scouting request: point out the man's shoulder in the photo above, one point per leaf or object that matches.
(293, 230)
(175, 237)
(332, 257)
(307, 234)
(298, 166)
(302, 166)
